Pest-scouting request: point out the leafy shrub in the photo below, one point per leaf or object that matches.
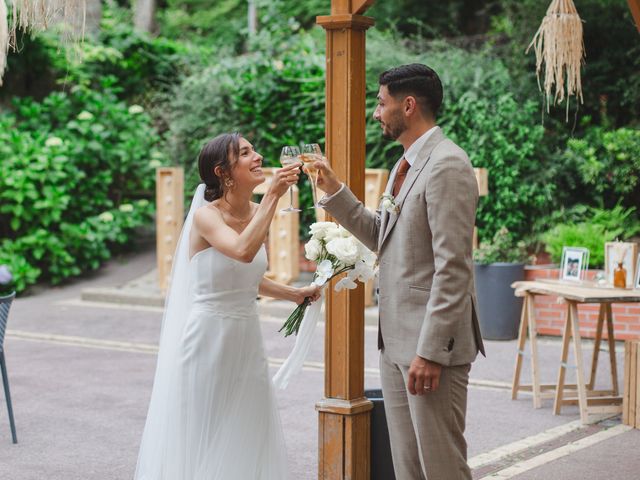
(66, 160)
(502, 248)
(608, 164)
(590, 228)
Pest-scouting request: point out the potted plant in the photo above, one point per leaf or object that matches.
(498, 264)
(7, 293)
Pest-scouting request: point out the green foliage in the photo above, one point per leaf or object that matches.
(503, 248)
(65, 160)
(589, 227)
(608, 164)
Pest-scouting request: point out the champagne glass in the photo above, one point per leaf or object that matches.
(311, 152)
(290, 154)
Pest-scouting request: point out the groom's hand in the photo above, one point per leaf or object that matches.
(424, 376)
(327, 180)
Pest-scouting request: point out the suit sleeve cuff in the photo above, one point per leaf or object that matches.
(326, 198)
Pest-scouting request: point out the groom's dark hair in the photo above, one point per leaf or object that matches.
(416, 80)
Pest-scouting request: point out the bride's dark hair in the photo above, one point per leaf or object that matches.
(221, 152)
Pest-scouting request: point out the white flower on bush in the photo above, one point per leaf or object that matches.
(135, 109)
(126, 208)
(344, 249)
(143, 203)
(323, 272)
(106, 217)
(319, 230)
(53, 142)
(84, 115)
(155, 163)
(313, 249)
(278, 65)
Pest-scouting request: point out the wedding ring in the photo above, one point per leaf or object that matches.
(427, 387)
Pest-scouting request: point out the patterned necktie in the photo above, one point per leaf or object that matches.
(400, 176)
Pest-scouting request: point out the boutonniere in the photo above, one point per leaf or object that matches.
(388, 203)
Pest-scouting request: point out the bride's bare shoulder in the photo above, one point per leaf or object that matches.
(207, 214)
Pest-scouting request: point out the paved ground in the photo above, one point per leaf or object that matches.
(81, 374)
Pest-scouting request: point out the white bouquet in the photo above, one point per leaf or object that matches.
(336, 251)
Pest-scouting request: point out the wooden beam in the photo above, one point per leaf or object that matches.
(358, 7)
(634, 6)
(344, 413)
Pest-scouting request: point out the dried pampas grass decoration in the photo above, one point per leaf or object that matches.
(559, 45)
(38, 15)
(4, 38)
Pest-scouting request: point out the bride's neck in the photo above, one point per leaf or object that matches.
(238, 201)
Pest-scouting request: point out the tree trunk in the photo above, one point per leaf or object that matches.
(144, 15)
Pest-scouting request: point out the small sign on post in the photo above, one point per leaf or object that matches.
(169, 218)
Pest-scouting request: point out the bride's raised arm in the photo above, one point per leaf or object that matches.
(244, 246)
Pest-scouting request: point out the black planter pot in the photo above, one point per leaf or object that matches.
(381, 462)
(498, 308)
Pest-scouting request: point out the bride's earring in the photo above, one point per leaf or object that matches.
(228, 182)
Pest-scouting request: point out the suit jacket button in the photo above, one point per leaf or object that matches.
(450, 346)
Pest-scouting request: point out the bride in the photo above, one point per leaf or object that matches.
(212, 413)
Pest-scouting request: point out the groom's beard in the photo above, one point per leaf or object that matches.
(394, 127)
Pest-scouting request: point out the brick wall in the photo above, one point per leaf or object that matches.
(550, 314)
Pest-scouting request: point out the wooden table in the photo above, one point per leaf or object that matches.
(594, 404)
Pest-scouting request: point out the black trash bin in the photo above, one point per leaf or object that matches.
(381, 462)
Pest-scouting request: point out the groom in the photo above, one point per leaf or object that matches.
(428, 332)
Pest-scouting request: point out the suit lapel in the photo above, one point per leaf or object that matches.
(385, 215)
(412, 175)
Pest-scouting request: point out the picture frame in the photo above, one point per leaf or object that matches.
(575, 262)
(613, 251)
(636, 283)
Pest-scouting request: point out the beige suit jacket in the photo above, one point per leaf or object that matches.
(427, 299)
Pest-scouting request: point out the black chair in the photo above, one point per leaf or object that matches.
(4, 314)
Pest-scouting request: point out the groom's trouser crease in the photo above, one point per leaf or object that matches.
(427, 432)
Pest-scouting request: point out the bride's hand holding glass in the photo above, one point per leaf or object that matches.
(284, 179)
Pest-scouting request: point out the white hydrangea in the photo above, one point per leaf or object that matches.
(126, 208)
(53, 142)
(135, 109)
(106, 217)
(84, 115)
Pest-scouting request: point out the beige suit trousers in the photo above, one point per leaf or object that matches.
(427, 438)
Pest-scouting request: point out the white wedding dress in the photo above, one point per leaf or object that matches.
(213, 414)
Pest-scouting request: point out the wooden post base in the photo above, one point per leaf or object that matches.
(344, 439)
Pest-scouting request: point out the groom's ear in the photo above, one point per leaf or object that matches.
(409, 105)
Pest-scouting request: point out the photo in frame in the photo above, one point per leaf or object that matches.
(636, 283)
(620, 252)
(575, 262)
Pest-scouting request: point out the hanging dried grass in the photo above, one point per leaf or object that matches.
(559, 45)
(38, 15)
(4, 38)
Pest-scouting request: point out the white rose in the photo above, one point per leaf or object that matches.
(338, 232)
(387, 204)
(319, 230)
(313, 249)
(344, 249)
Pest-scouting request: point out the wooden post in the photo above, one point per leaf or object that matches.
(169, 219)
(284, 236)
(344, 413)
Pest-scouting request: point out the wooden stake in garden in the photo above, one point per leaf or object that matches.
(558, 44)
